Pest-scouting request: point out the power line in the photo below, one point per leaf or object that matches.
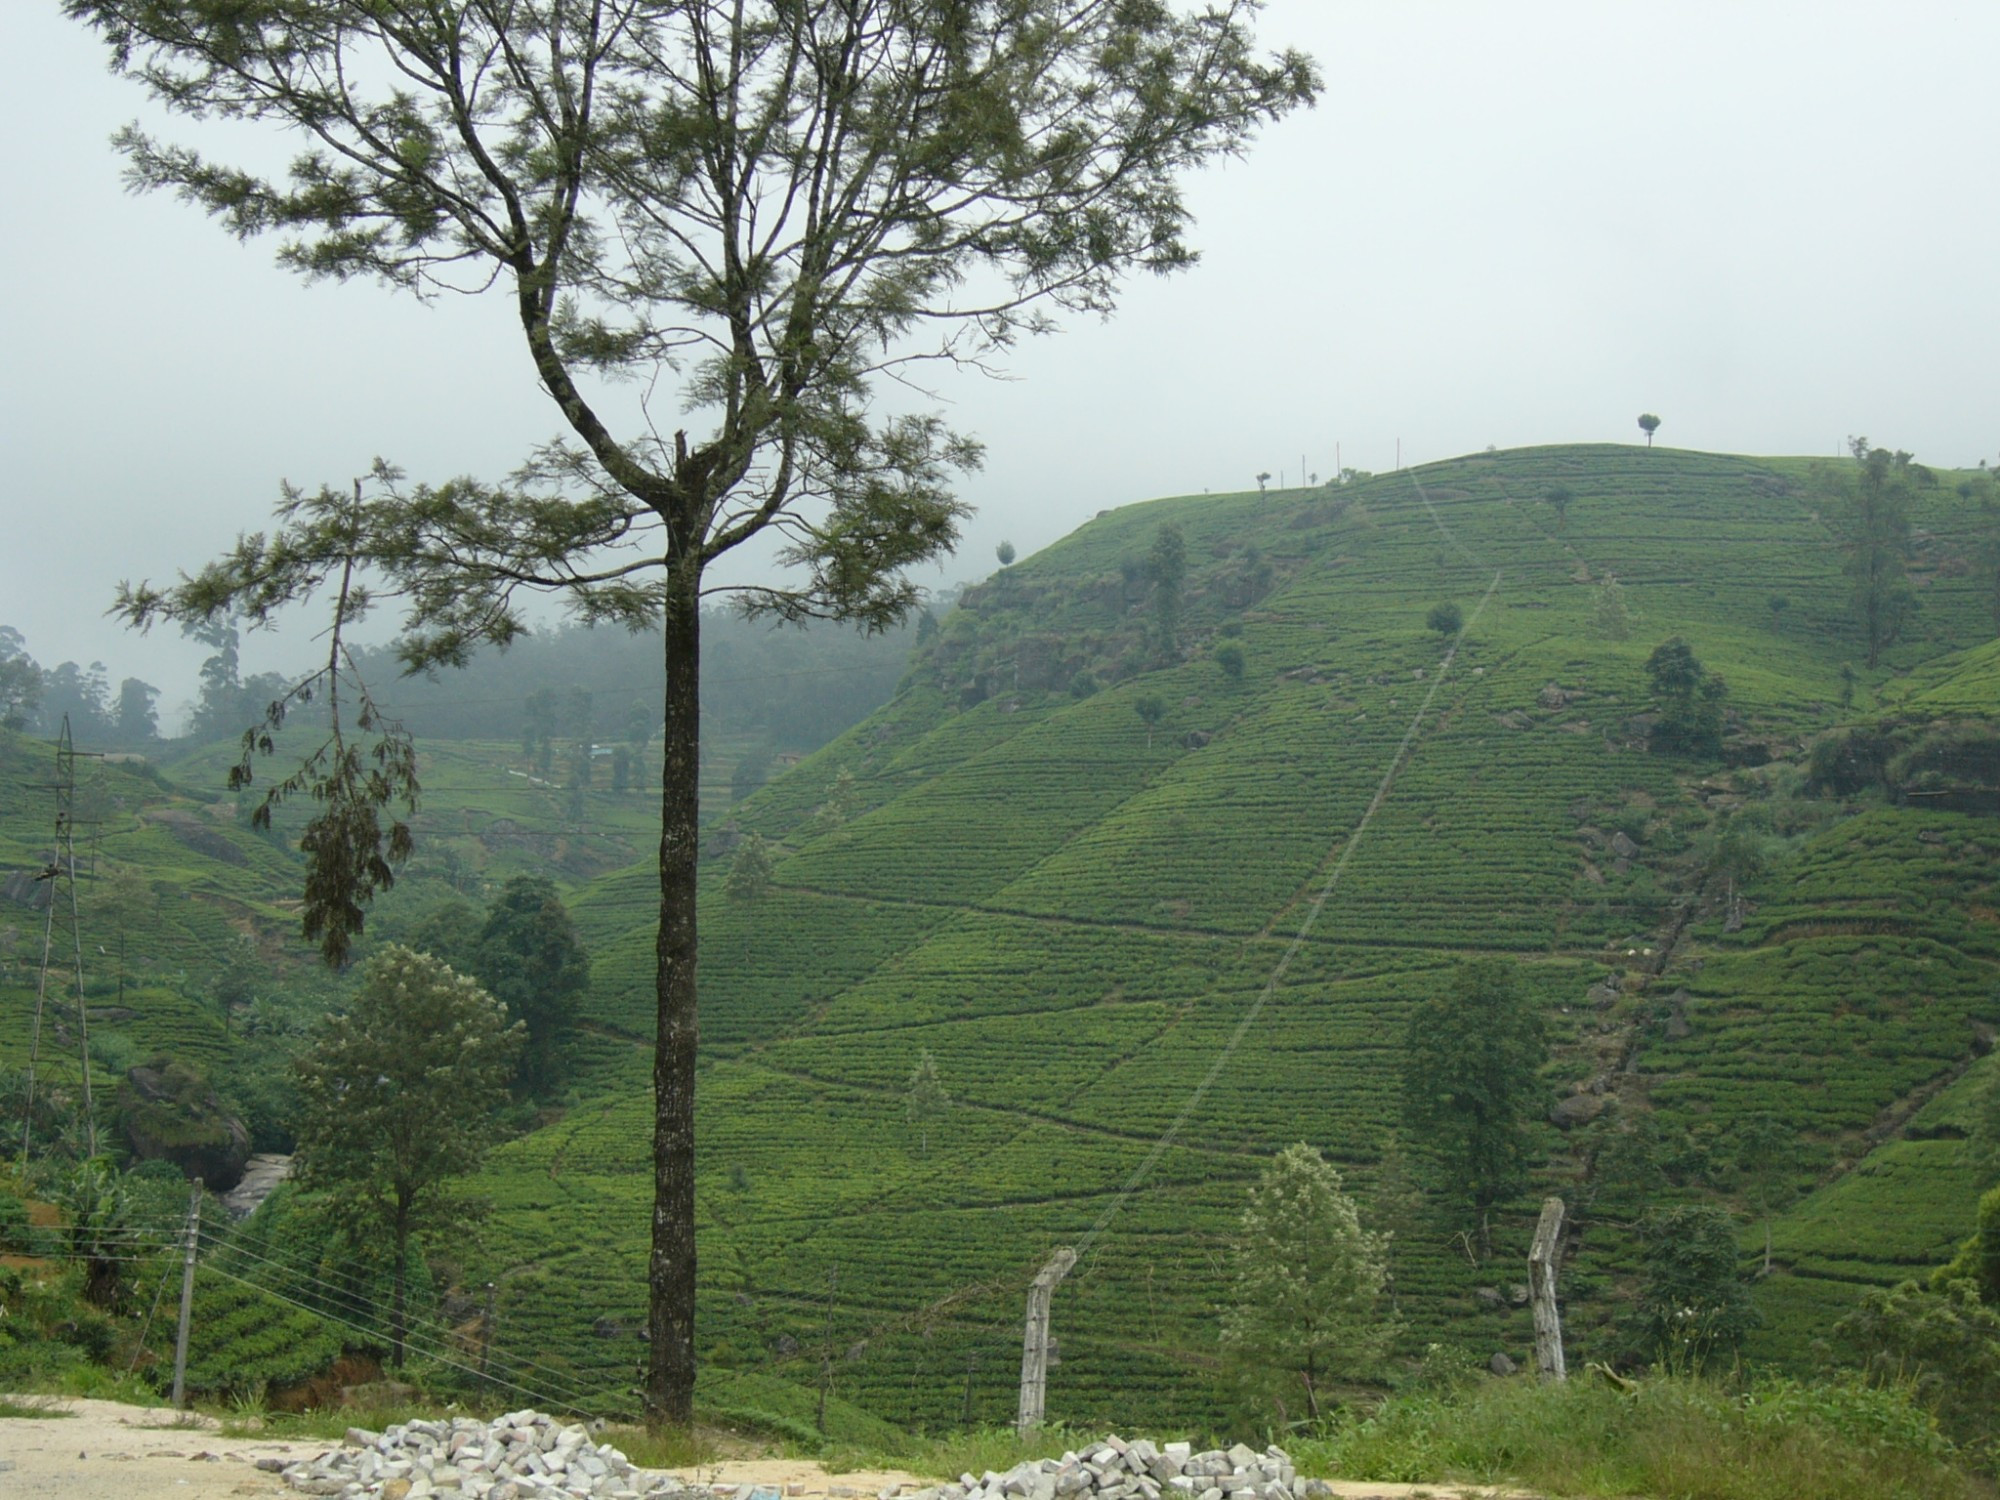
(359, 1305)
(1353, 841)
(539, 1397)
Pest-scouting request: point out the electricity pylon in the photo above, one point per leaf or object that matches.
(61, 1078)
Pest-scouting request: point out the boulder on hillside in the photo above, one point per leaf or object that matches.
(26, 888)
(167, 1112)
(1577, 1109)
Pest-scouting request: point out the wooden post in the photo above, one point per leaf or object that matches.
(1542, 1256)
(1035, 1342)
(187, 1297)
(486, 1330)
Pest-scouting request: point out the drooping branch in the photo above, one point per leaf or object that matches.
(349, 855)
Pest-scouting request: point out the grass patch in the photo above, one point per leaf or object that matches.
(31, 1406)
(667, 1448)
(246, 1419)
(1678, 1436)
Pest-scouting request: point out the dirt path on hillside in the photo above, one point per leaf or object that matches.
(103, 1450)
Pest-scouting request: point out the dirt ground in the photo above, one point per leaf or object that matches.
(101, 1450)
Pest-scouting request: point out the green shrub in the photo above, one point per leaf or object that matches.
(88, 1330)
(16, 1233)
(1942, 1346)
(1978, 1259)
(1694, 1305)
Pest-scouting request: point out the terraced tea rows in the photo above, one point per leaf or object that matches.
(1073, 911)
(1073, 921)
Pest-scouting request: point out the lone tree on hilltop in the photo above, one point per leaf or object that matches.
(773, 204)
(1005, 552)
(1309, 1278)
(1648, 424)
(1472, 1059)
(399, 1094)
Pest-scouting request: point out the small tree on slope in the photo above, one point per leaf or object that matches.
(1309, 1278)
(399, 1097)
(1471, 1084)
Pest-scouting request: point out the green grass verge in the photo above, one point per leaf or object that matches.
(1670, 1436)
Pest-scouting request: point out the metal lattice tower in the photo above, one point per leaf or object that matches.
(59, 1074)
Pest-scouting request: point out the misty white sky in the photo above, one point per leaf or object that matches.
(1773, 224)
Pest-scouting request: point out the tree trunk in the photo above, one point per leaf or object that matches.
(669, 1396)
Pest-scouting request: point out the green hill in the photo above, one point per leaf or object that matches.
(1094, 928)
(1145, 955)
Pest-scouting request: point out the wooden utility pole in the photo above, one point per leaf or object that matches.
(486, 1329)
(826, 1347)
(1542, 1256)
(1035, 1342)
(187, 1298)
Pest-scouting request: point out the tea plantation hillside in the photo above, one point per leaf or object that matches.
(174, 888)
(1155, 881)
(1155, 876)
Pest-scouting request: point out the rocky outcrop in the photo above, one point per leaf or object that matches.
(167, 1112)
(261, 1176)
(26, 888)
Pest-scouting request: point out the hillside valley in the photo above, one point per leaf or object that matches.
(1155, 883)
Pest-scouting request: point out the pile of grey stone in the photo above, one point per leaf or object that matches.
(525, 1455)
(1139, 1470)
